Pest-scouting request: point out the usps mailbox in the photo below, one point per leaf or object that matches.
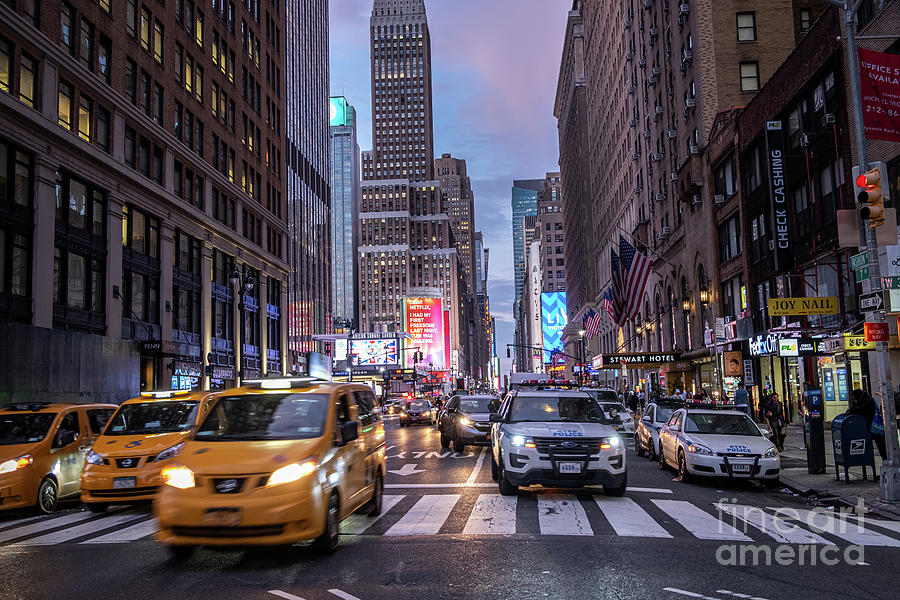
(852, 445)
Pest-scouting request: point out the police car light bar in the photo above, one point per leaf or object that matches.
(548, 383)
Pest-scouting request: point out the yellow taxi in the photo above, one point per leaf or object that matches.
(144, 435)
(275, 462)
(42, 451)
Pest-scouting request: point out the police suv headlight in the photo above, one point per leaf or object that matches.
(771, 452)
(699, 449)
(518, 441)
(610, 442)
(93, 458)
(170, 452)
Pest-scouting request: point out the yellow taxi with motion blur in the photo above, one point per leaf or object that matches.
(275, 462)
(144, 435)
(42, 451)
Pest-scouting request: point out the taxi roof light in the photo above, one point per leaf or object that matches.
(281, 383)
(161, 394)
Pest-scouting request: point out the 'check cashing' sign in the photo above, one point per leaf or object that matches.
(781, 221)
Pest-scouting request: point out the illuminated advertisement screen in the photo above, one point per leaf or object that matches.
(368, 352)
(553, 321)
(424, 321)
(338, 112)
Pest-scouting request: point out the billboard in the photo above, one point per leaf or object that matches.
(368, 352)
(553, 321)
(338, 114)
(424, 321)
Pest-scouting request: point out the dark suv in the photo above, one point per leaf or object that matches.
(465, 420)
(418, 411)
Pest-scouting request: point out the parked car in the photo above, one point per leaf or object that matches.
(646, 433)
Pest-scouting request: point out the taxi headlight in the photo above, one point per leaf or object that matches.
(699, 449)
(771, 452)
(170, 452)
(93, 458)
(14, 464)
(177, 476)
(465, 421)
(292, 472)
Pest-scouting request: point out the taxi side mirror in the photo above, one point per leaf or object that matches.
(495, 418)
(64, 437)
(349, 431)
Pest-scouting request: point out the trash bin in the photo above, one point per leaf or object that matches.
(852, 445)
(814, 429)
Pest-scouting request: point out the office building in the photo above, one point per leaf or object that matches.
(345, 179)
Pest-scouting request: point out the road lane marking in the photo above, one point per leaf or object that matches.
(739, 595)
(70, 533)
(474, 474)
(356, 524)
(853, 532)
(494, 514)
(689, 594)
(649, 490)
(426, 517)
(562, 515)
(284, 595)
(407, 469)
(771, 525)
(439, 485)
(44, 525)
(342, 594)
(698, 522)
(127, 534)
(630, 520)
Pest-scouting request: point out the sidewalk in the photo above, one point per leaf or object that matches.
(824, 487)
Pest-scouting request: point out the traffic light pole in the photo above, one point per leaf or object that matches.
(890, 468)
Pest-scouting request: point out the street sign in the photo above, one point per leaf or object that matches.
(862, 274)
(876, 332)
(858, 261)
(890, 283)
(871, 302)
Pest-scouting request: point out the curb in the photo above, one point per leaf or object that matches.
(877, 507)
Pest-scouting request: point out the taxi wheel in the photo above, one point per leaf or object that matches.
(327, 543)
(374, 505)
(682, 469)
(47, 496)
(98, 507)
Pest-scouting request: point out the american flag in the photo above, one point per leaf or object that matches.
(617, 289)
(608, 304)
(637, 271)
(591, 322)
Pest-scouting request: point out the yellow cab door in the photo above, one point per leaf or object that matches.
(350, 455)
(371, 432)
(95, 419)
(68, 459)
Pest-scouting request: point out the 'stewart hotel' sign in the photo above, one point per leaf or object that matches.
(777, 184)
(638, 360)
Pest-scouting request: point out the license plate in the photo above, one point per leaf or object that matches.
(222, 517)
(124, 483)
(570, 467)
(740, 468)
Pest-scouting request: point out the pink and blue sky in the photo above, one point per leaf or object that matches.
(494, 70)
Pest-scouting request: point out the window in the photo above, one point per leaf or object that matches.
(86, 51)
(726, 178)
(104, 51)
(158, 42)
(746, 27)
(179, 63)
(64, 105)
(85, 117)
(749, 76)
(158, 103)
(805, 20)
(130, 18)
(729, 240)
(198, 83)
(101, 133)
(27, 78)
(144, 93)
(107, 7)
(179, 110)
(130, 147)
(66, 23)
(198, 29)
(131, 80)
(6, 53)
(145, 29)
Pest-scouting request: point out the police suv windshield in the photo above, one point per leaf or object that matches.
(24, 428)
(162, 416)
(543, 408)
(723, 424)
(265, 417)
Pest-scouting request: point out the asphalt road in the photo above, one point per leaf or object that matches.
(446, 533)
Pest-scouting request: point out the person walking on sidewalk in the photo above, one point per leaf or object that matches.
(775, 418)
(741, 399)
(865, 406)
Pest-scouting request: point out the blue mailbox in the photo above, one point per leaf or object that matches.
(852, 444)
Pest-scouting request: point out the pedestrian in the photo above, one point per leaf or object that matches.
(775, 418)
(865, 406)
(632, 402)
(741, 399)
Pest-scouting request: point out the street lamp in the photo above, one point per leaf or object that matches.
(686, 303)
(244, 282)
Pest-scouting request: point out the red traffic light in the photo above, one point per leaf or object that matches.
(861, 180)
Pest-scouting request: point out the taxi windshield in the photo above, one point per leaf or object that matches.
(557, 408)
(161, 416)
(265, 417)
(24, 428)
(477, 405)
(418, 405)
(722, 424)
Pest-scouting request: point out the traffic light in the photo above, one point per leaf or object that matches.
(870, 195)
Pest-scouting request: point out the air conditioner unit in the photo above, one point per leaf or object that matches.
(654, 32)
(684, 10)
(674, 177)
(646, 135)
(828, 119)
(633, 122)
(657, 71)
(670, 90)
(719, 199)
(656, 157)
(695, 149)
(804, 140)
(668, 48)
(658, 110)
(660, 197)
(631, 89)
(629, 56)
(635, 156)
(672, 134)
(687, 55)
(690, 102)
(643, 62)
(638, 190)
(627, 23)
(696, 200)
(771, 244)
(648, 3)
(651, 80)
(665, 231)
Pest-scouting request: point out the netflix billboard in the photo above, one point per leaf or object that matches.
(425, 324)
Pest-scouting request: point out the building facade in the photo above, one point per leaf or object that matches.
(524, 204)
(345, 180)
(143, 211)
(459, 203)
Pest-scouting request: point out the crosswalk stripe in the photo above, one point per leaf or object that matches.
(771, 525)
(891, 525)
(126, 534)
(356, 523)
(629, 519)
(19, 522)
(850, 530)
(426, 517)
(492, 513)
(698, 522)
(562, 515)
(70, 533)
(44, 525)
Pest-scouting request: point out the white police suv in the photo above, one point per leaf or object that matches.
(717, 442)
(553, 435)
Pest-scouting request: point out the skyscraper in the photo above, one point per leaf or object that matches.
(549, 231)
(524, 203)
(459, 202)
(344, 208)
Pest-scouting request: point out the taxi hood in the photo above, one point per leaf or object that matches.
(238, 457)
(137, 445)
(562, 429)
(740, 444)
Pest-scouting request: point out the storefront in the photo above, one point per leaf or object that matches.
(842, 371)
(674, 376)
(632, 371)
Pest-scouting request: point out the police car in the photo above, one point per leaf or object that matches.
(646, 434)
(716, 441)
(550, 433)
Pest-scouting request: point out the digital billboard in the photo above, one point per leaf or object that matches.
(368, 352)
(553, 321)
(424, 320)
(338, 112)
